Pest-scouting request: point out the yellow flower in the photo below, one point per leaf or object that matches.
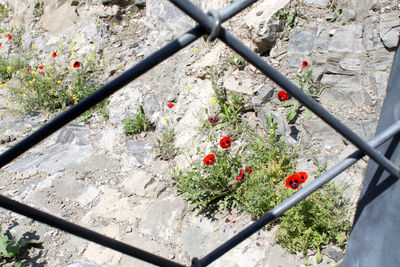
(129, 11)
(48, 68)
(73, 49)
(271, 131)
(212, 63)
(106, 60)
(34, 92)
(9, 68)
(30, 82)
(58, 51)
(101, 65)
(119, 65)
(213, 100)
(98, 25)
(61, 45)
(48, 78)
(75, 98)
(115, 24)
(21, 74)
(188, 87)
(70, 37)
(90, 58)
(74, 42)
(165, 118)
(1, 114)
(33, 45)
(196, 50)
(33, 80)
(69, 67)
(58, 82)
(72, 57)
(33, 72)
(24, 95)
(80, 36)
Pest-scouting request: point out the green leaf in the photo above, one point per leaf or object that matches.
(292, 113)
(17, 264)
(3, 245)
(308, 114)
(13, 249)
(318, 257)
(340, 237)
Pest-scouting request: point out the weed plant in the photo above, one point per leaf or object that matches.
(251, 177)
(166, 149)
(12, 250)
(3, 12)
(54, 85)
(10, 65)
(140, 123)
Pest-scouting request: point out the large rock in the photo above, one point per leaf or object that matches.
(163, 218)
(265, 27)
(140, 150)
(71, 146)
(59, 16)
(317, 3)
(389, 29)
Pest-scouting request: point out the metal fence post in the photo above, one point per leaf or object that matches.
(375, 238)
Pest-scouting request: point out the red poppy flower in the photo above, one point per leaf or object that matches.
(282, 96)
(76, 64)
(209, 159)
(248, 170)
(239, 178)
(303, 176)
(9, 36)
(304, 64)
(225, 142)
(54, 54)
(213, 119)
(0, 44)
(233, 221)
(42, 72)
(40, 67)
(293, 181)
(170, 105)
(28, 69)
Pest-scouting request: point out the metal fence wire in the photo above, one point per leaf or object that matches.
(208, 24)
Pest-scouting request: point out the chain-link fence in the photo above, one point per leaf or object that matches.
(211, 24)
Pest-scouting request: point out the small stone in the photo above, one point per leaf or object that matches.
(259, 13)
(334, 254)
(140, 3)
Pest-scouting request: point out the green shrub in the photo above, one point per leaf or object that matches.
(43, 88)
(210, 186)
(315, 222)
(3, 12)
(10, 65)
(140, 123)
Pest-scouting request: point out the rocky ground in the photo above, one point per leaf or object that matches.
(92, 174)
